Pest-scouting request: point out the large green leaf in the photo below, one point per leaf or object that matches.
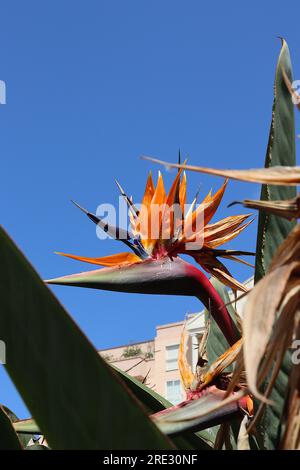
(26, 426)
(272, 230)
(75, 397)
(8, 436)
(154, 402)
(272, 418)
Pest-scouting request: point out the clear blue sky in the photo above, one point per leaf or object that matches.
(93, 85)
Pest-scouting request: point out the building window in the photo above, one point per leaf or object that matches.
(172, 357)
(173, 391)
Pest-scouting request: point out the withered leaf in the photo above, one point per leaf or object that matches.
(278, 175)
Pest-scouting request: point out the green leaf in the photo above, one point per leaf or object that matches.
(25, 436)
(26, 426)
(8, 437)
(272, 230)
(154, 402)
(216, 342)
(76, 399)
(272, 418)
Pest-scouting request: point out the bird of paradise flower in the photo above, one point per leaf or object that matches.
(154, 263)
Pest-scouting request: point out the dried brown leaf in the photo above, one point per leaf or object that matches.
(223, 437)
(278, 175)
(269, 311)
(225, 277)
(288, 251)
(260, 314)
(289, 208)
(291, 438)
(208, 260)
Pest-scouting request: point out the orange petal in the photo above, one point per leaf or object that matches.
(155, 214)
(167, 219)
(221, 363)
(142, 222)
(149, 191)
(215, 242)
(159, 196)
(186, 374)
(112, 260)
(213, 203)
(178, 220)
(152, 196)
(173, 189)
(182, 192)
(222, 231)
(204, 212)
(168, 215)
(250, 405)
(207, 197)
(223, 227)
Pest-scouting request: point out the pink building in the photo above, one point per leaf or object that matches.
(155, 361)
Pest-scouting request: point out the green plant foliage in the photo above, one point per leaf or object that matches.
(132, 351)
(28, 433)
(153, 402)
(26, 426)
(8, 436)
(272, 230)
(75, 397)
(216, 342)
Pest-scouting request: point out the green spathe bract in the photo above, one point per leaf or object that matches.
(164, 276)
